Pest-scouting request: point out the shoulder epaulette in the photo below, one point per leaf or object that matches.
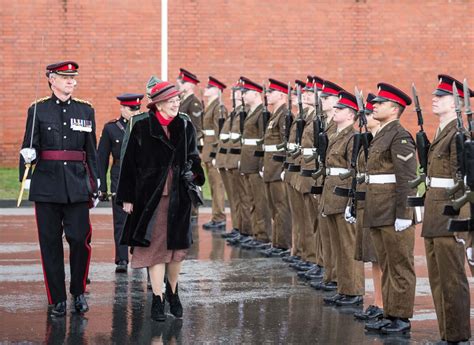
(41, 100)
(83, 101)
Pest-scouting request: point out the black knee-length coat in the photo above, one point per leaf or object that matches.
(148, 157)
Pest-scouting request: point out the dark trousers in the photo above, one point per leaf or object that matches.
(52, 219)
(119, 215)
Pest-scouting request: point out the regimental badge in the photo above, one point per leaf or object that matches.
(81, 125)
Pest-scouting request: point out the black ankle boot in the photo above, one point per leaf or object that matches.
(173, 299)
(158, 309)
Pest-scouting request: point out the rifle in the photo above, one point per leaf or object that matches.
(460, 138)
(465, 224)
(200, 140)
(300, 123)
(242, 116)
(28, 165)
(266, 113)
(288, 123)
(318, 131)
(323, 142)
(221, 119)
(232, 113)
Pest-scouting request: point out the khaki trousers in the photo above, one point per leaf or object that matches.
(350, 272)
(217, 193)
(260, 214)
(236, 189)
(395, 256)
(225, 176)
(311, 224)
(298, 221)
(246, 202)
(329, 249)
(281, 214)
(449, 287)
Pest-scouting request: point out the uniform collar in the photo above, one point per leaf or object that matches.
(446, 122)
(123, 120)
(57, 101)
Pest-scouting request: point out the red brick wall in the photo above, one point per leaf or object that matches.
(117, 44)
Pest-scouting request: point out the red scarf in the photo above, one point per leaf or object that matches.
(162, 120)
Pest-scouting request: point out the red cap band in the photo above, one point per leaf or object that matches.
(130, 103)
(277, 87)
(392, 97)
(212, 83)
(449, 88)
(369, 106)
(187, 79)
(349, 103)
(330, 91)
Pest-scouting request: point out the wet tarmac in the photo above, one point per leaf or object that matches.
(230, 296)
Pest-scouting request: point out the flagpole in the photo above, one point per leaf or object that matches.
(164, 39)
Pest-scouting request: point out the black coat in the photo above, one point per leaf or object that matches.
(62, 181)
(148, 157)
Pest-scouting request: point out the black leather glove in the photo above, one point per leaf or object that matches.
(188, 176)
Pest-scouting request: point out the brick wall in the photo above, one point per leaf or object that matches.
(117, 44)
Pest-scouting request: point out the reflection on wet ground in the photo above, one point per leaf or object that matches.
(229, 295)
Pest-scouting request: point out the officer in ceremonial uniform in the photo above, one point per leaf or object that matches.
(274, 187)
(391, 164)
(350, 273)
(212, 113)
(444, 251)
(60, 139)
(111, 143)
(329, 98)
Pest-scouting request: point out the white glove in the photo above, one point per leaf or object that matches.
(213, 162)
(261, 172)
(402, 224)
(29, 155)
(282, 175)
(348, 216)
(27, 184)
(470, 257)
(238, 164)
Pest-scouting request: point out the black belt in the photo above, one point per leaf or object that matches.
(259, 153)
(294, 168)
(223, 150)
(307, 172)
(234, 151)
(278, 158)
(212, 155)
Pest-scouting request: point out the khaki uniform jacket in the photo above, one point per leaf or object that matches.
(211, 122)
(291, 177)
(274, 135)
(442, 163)
(192, 106)
(223, 146)
(330, 130)
(392, 151)
(253, 129)
(338, 156)
(304, 183)
(233, 159)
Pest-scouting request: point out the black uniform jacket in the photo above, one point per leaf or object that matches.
(148, 157)
(58, 125)
(111, 143)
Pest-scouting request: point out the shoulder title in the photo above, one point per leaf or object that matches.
(41, 100)
(82, 101)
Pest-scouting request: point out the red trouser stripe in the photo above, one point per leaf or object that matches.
(50, 300)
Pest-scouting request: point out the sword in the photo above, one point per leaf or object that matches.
(28, 165)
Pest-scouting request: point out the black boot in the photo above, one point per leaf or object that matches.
(173, 299)
(158, 309)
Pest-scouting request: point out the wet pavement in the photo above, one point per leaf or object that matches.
(230, 296)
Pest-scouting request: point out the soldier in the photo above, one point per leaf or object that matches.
(444, 251)
(250, 165)
(242, 228)
(274, 187)
(193, 107)
(312, 242)
(212, 113)
(391, 164)
(111, 143)
(350, 273)
(60, 139)
(295, 198)
(365, 250)
(329, 98)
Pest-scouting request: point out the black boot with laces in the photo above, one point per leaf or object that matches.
(173, 299)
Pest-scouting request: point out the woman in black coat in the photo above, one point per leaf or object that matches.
(153, 189)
